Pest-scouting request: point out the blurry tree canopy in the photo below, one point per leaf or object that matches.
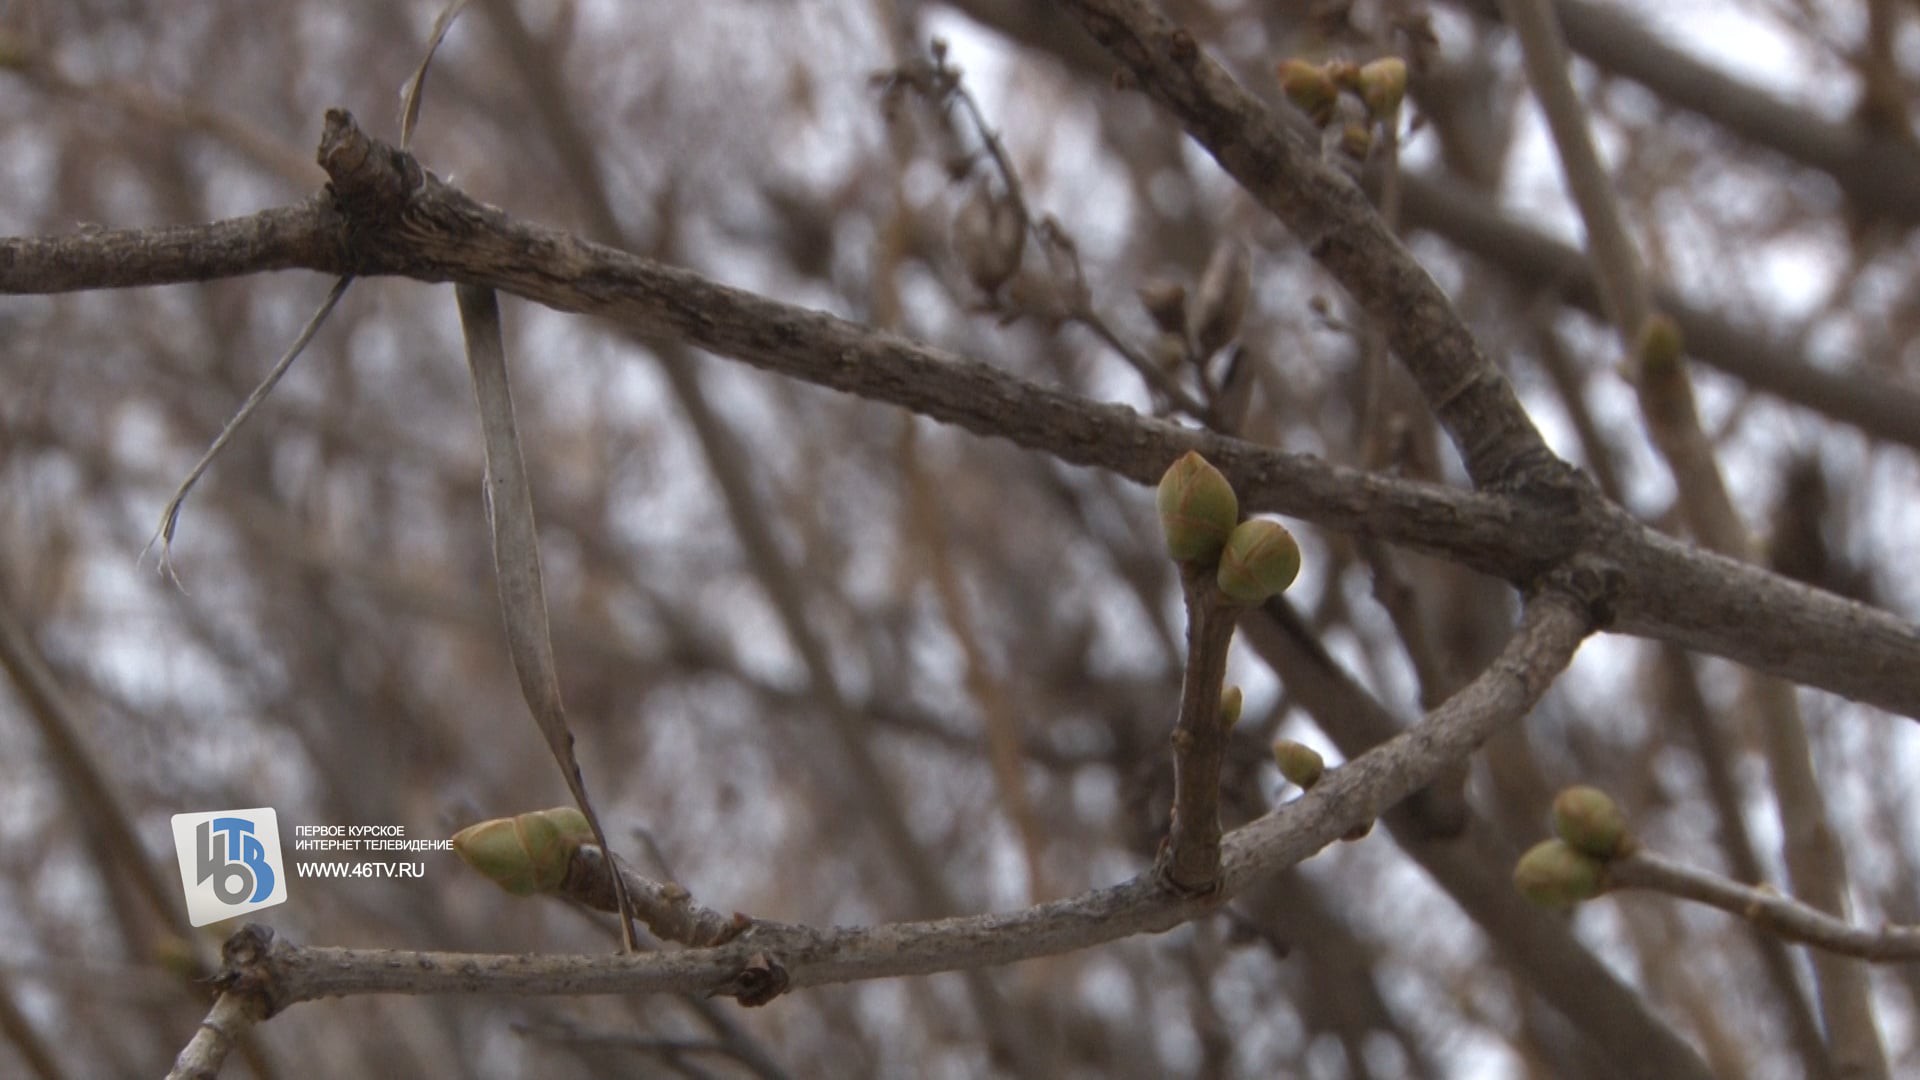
(846, 343)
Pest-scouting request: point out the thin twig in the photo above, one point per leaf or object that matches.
(1282, 171)
(223, 1029)
(1814, 861)
(666, 907)
(780, 956)
(938, 81)
(1190, 861)
(1765, 907)
(1669, 591)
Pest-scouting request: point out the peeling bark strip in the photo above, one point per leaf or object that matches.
(516, 557)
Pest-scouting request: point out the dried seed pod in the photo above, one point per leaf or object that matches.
(1589, 820)
(525, 854)
(1198, 509)
(1260, 560)
(989, 237)
(1221, 302)
(1554, 874)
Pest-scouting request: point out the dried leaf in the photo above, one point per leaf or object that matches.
(516, 554)
(170, 517)
(416, 86)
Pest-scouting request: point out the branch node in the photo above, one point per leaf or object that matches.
(247, 970)
(762, 979)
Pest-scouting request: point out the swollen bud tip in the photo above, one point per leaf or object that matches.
(1231, 702)
(989, 237)
(1555, 874)
(1589, 820)
(1166, 302)
(1383, 85)
(1198, 509)
(1310, 88)
(526, 854)
(1260, 560)
(1299, 763)
(1660, 346)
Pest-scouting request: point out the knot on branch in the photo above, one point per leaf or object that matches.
(1589, 581)
(369, 181)
(1543, 481)
(1181, 48)
(1557, 503)
(246, 968)
(762, 979)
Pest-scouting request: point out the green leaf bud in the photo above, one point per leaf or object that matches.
(1383, 85)
(1554, 874)
(1299, 763)
(1231, 702)
(1260, 560)
(1310, 88)
(1198, 509)
(526, 854)
(1589, 820)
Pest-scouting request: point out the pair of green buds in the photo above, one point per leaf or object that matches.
(1590, 832)
(1315, 88)
(1200, 516)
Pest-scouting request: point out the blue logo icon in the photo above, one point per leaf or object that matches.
(229, 863)
(238, 868)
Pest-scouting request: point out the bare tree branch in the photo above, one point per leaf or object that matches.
(1870, 167)
(1331, 216)
(781, 957)
(233, 1014)
(1765, 907)
(1191, 859)
(1669, 591)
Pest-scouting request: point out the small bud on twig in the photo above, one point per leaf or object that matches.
(1554, 874)
(1310, 89)
(1299, 763)
(1356, 141)
(526, 854)
(1198, 509)
(1383, 84)
(1231, 702)
(989, 237)
(1260, 560)
(1589, 820)
(1660, 346)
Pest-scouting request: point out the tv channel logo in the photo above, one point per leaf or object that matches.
(230, 863)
